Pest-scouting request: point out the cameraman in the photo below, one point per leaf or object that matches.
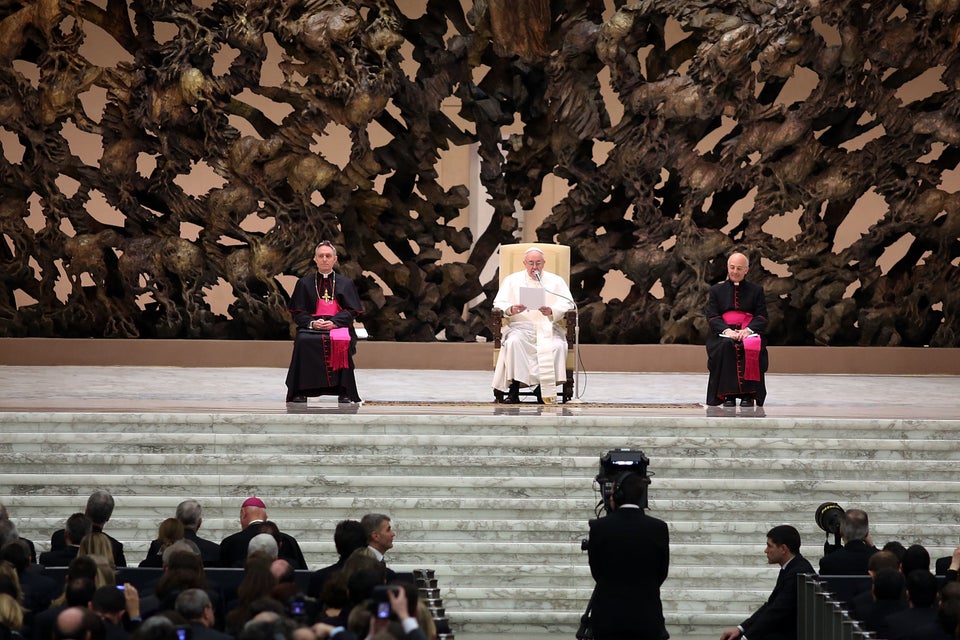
(629, 554)
(851, 559)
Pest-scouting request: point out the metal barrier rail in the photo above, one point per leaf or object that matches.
(820, 616)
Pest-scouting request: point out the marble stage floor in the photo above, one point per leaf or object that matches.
(452, 392)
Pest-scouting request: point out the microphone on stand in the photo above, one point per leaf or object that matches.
(576, 335)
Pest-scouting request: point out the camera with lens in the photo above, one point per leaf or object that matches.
(829, 517)
(302, 608)
(615, 465)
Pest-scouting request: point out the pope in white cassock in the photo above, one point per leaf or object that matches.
(534, 348)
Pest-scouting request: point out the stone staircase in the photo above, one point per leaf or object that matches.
(497, 504)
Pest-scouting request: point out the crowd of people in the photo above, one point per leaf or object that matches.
(356, 597)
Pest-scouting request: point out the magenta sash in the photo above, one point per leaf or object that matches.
(339, 337)
(751, 344)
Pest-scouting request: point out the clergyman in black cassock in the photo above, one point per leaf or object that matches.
(736, 343)
(324, 306)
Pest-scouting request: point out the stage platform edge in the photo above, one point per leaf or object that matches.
(465, 356)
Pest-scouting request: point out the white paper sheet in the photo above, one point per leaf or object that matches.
(532, 297)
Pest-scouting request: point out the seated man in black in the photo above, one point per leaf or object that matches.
(324, 306)
(736, 345)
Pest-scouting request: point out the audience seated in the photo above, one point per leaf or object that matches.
(38, 590)
(190, 515)
(195, 607)
(170, 531)
(77, 527)
(9, 533)
(348, 536)
(887, 598)
(11, 613)
(111, 605)
(99, 509)
(79, 592)
(79, 623)
(920, 621)
(863, 603)
(256, 585)
(915, 557)
(233, 549)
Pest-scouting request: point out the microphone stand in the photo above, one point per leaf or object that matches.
(576, 335)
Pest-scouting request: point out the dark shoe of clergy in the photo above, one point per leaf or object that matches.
(746, 402)
(536, 393)
(513, 395)
(296, 398)
(730, 402)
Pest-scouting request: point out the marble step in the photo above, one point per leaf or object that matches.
(497, 504)
(595, 431)
(924, 465)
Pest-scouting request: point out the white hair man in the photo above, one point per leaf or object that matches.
(533, 350)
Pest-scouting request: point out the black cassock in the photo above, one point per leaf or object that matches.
(310, 373)
(725, 357)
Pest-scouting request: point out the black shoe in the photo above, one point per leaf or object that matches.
(536, 393)
(347, 400)
(513, 395)
(746, 402)
(296, 398)
(730, 402)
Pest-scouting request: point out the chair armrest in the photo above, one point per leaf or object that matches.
(496, 326)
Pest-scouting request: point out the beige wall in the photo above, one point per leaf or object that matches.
(463, 356)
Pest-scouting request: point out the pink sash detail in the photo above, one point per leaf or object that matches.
(327, 308)
(751, 344)
(339, 337)
(339, 347)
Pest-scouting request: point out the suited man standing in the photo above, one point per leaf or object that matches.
(776, 619)
(629, 554)
(852, 558)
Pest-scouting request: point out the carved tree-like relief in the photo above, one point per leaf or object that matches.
(734, 121)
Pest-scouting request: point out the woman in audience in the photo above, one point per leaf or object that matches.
(258, 582)
(11, 612)
(170, 531)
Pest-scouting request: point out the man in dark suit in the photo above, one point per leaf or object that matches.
(190, 515)
(196, 608)
(919, 622)
(253, 513)
(852, 558)
(78, 525)
(629, 554)
(99, 509)
(347, 538)
(863, 605)
(886, 599)
(12, 529)
(776, 619)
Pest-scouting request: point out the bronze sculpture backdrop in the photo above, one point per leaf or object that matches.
(710, 152)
